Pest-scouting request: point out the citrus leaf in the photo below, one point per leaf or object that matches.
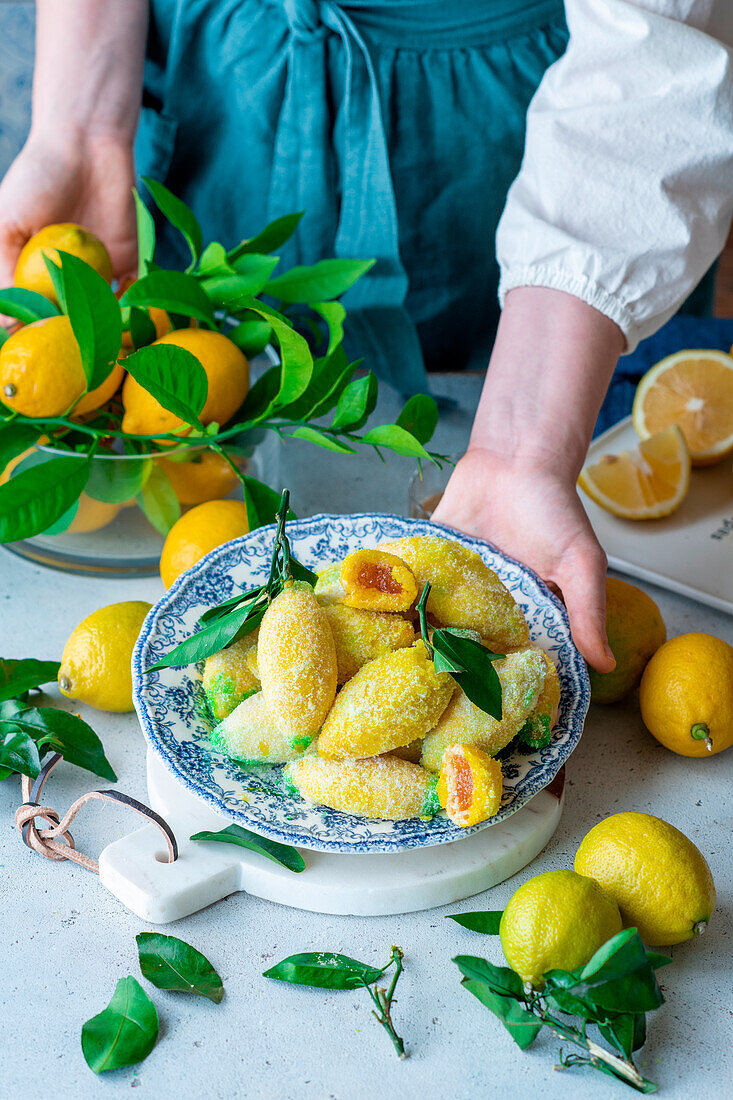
(173, 376)
(26, 305)
(334, 314)
(296, 362)
(95, 317)
(170, 963)
(68, 734)
(125, 1033)
(18, 752)
(396, 439)
(261, 502)
(229, 291)
(158, 501)
(142, 328)
(223, 608)
(54, 274)
(172, 291)
(14, 439)
(521, 1024)
(210, 639)
(331, 374)
(34, 499)
(356, 404)
(478, 921)
(471, 665)
(214, 259)
(499, 978)
(419, 417)
(283, 854)
(267, 240)
(318, 282)
(311, 435)
(145, 234)
(4, 335)
(626, 1032)
(178, 214)
(17, 677)
(325, 970)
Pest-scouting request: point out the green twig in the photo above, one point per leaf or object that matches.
(383, 1000)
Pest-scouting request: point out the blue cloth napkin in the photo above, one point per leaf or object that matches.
(680, 332)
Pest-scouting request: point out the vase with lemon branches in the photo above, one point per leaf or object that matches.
(143, 396)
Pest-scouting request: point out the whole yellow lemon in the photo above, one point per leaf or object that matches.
(659, 879)
(197, 532)
(31, 272)
(635, 631)
(95, 664)
(686, 695)
(205, 476)
(556, 920)
(227, 372)
(41, 373)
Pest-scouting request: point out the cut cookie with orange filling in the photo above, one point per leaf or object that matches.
(470, 785)
(377, 581)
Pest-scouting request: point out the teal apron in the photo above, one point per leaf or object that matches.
(397, 125)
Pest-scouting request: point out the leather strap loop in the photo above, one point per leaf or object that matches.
(56, 842)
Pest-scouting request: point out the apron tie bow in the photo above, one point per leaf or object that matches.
(304, 17)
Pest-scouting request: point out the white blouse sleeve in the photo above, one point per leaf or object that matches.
(625, 194)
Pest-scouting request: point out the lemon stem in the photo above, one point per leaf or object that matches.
(699, 927)
(700, 732)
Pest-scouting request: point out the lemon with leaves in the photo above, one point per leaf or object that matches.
(227, 374)
(41, 372)
(95, 664)
(659, 879)
(686, 695)
(197, 532)
(31, 271)
(556, 920)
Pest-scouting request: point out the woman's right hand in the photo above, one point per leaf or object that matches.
(73, 178)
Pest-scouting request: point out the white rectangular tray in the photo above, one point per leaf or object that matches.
(691, 551)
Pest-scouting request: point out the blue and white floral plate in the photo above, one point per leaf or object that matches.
(175, 720)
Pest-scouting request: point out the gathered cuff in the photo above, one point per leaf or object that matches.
(560, 278)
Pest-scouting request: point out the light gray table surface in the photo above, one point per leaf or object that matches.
(65, 941)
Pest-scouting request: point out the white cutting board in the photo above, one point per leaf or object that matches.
(691, 551)
(136, 869)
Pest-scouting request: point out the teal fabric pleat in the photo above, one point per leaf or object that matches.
(397, 125)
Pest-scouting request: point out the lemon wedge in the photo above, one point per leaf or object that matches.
(647, 483)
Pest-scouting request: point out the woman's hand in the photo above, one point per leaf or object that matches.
(537, 517)
(77, 164)
(551, 364)
(71, 179)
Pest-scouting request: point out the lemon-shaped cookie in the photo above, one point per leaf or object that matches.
(556, 920)
(659, 879)
(95, 664)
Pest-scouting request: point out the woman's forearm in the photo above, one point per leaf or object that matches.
(550, 368)
(89, 67)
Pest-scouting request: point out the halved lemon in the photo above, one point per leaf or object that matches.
(693, 389)
(647, 483)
